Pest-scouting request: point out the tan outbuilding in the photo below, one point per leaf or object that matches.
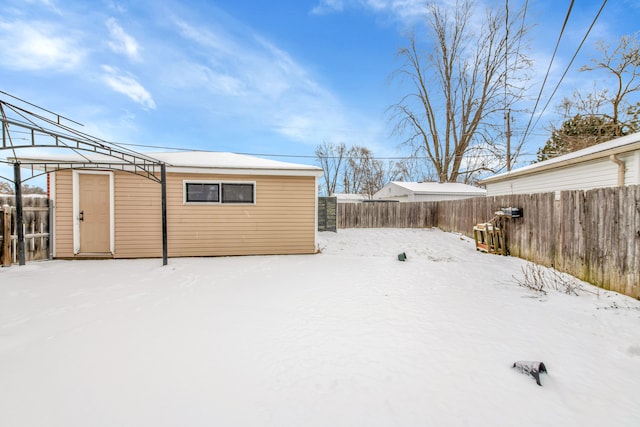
(217, 204)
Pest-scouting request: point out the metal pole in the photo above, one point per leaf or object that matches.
(507, 119)
(163, 183)
(19, 214)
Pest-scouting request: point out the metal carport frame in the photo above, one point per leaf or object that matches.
(25, 129)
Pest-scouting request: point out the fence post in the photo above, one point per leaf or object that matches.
(6, 236)
(163, 191)
(19, 214)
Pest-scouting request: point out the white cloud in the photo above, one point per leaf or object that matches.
(328, 6)
(401, 9)
(121, 42)
(116, 7)
(242, 75)
(207, 38)
(193, 75)
(128, 85)
(37, 46)
(47, 4)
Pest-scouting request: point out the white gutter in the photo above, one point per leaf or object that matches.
(621, 168)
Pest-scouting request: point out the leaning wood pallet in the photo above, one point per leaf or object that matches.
(489, 237)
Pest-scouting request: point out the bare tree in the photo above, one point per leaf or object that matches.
(602, 114)
(623, 66)
(6, 188)
(363, 174)
(459, 89)
(330, 157)
(413, 168)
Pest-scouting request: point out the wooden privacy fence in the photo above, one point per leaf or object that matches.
(387, 214)
(35, 226)
(593, 235)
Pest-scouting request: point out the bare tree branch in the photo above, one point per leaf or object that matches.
(460, 87)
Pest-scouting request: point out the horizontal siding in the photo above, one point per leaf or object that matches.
(138, 217)
(632, 175)
(63, 210)
(582, 176)
(282, 221)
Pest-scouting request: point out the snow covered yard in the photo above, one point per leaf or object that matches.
(349, 337)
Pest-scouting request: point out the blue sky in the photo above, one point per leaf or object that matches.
(276, 77)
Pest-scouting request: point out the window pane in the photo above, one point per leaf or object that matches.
(237, 193)
(201, 192)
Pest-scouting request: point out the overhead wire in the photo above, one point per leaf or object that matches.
(544, 82)
(571, 62)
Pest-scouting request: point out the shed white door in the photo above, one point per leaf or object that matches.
(95, 220)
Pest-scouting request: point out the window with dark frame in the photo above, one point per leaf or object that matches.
(219, 192)
(202, 192)
(237, 193)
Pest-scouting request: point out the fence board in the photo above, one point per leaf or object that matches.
(593, 235)
(387, 215)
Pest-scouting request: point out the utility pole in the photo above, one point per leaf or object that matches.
(507, 114)
(507, 124)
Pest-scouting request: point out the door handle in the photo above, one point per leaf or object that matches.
(81, 216)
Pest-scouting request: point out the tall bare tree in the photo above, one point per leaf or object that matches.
(622, 64)
(330, 157)
(458, 86)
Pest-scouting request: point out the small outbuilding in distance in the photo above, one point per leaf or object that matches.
(427, 191)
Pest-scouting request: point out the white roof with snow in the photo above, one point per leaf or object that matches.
(195, 161)
(615, 146)
(439, 188)
(349, 196)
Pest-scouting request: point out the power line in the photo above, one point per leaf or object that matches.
(301, 156)
(571, 62)
(524, 15)
(544, 82)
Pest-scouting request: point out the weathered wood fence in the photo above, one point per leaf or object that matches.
(36, 229)
(386, 215)
(593, 235)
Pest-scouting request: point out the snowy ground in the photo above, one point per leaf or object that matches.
(350, 337)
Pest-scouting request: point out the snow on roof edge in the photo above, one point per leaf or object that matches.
(594, 149)
(439, 187)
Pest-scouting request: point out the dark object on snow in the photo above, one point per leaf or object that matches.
(531, 368)
(402, 257)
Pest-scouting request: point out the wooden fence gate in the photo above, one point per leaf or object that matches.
(35, 226)
(327, 213)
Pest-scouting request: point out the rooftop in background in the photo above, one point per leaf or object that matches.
(427, 191)
(615, 146)
(440, 188)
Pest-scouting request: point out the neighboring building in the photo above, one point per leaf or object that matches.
(349, 198)
(609, 164)
(217, 204)
(427, 191)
